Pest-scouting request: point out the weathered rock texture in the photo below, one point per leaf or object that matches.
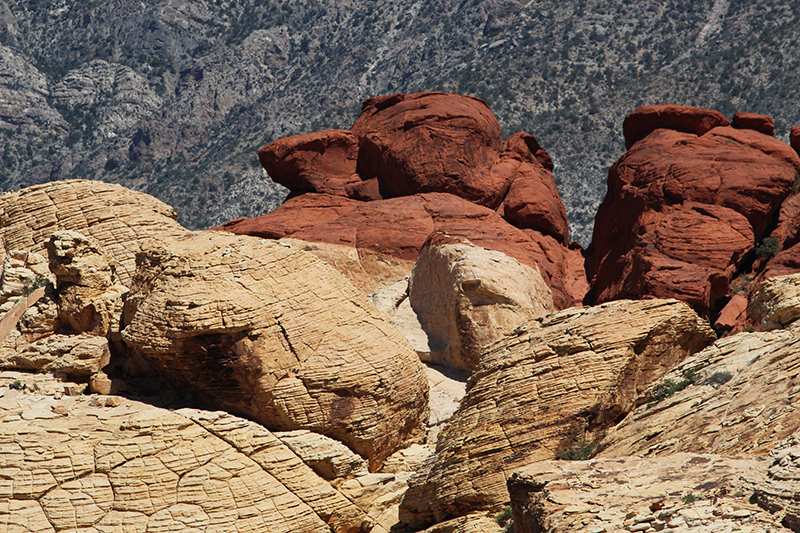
(776, 302)
(551, 383)
(682, 492)
(408, 148)
(119, 219)
(467, 297)
(738, 396)
(779, 490)
(255, 327)
(78, 463)
(686, 206)
(375, 244)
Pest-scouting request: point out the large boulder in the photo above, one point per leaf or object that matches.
(119, 219)
(775, 304)
(261, 329)
(376, 244)
(779, 490)
(466, 297)
(430, 142)
(323, 161)
(553, 383)
(686, 207)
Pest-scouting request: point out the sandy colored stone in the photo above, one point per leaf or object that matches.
(256, 327)
(329, 458)
(702, 493)
(394, 303)
(135, 467)
(779, 490)
(466, 297)
(90, 296)
(742, 401)
(117, 218)
(776, 302)
(553, 382)
(75, 356)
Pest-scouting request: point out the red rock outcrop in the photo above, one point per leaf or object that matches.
(399, 227)
(408, 148)
(686, 206)
(323, 161)
(753, 121)
(794, 138)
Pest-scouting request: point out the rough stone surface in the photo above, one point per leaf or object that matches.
(395, 230)
(119, 219)
(738, 396)
(323, 161)
(466, 297)
(89, 294)
(74, 356)
(753, 121)
(794, 138)
(682, 492)
(78, 463)
(779, 491)
(551, 383)
(329, 458)
(430, 142)
(646, 119)
(776, 302)
(681, 218)
(259, 328)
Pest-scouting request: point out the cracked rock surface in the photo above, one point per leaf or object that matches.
(258, 328)
(552, 383)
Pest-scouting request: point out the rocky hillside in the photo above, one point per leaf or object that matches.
(175, 97)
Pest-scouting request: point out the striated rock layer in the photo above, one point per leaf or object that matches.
(686, 206)
(255, 327)
(682, 492)
(552, 383)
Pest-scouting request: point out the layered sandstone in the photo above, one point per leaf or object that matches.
(683, 492)
(413, 151)
(119, 219)
(737, 396)
(79, 462)
(779, 490)
(680, 218)
(551, 384)
(256, 327)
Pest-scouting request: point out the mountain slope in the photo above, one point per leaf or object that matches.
(175, 97)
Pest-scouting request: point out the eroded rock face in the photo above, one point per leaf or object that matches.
(776, 302)
(412, 152)
(119, 219)
(753, 121)
(702, 492)
(779, 491)
(255, 327)
(735, 397)
(376, 244)
(681, 217)
(323, 161)
(466, 297)
(552, 383)
(139, 467)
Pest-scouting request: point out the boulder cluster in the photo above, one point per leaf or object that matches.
(411, 342)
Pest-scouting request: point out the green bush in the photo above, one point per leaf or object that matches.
(768, 247)
(580, 451)
(669, 387)
(504, 517)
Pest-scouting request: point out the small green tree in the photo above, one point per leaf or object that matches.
(768, 247)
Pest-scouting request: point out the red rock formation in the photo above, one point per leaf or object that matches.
(399, 227)
(685, 208)
(752, 121)
(323, 161)
(794, 138)
(407, 148)
(646, 119)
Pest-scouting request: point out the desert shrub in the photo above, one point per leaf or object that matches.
(718, 378)
(580, 451)
(504, 517)
(768, 247)
(669, 387)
